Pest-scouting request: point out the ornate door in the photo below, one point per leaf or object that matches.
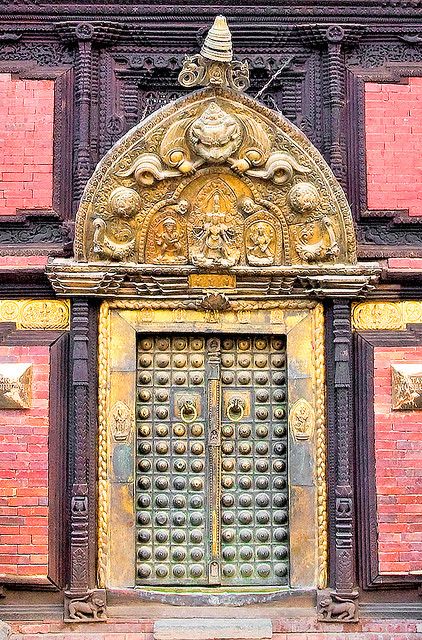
(211, 461)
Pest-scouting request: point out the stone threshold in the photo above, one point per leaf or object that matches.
(216, 629)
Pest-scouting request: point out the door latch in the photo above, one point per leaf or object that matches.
(235, 409)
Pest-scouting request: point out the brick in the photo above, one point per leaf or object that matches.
(26, 135)
(398, 445)
(393, 129)
(24, 466)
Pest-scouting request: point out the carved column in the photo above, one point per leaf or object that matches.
(335, 63)
(332, 39)
(86, 36)
(82, 449)
(340, 460)
(82, 164)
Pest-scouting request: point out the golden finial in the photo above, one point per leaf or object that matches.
(218, 43)
(215, 64)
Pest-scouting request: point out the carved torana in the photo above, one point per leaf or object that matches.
(213, 182)
(215, 185)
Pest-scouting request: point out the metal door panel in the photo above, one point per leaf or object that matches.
(212, 461)
(254, 462)
(172, 464)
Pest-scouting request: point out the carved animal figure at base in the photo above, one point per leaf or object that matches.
(341, 610)
(85, 608)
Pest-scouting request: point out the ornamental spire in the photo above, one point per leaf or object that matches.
(215, 64)
(218, 43)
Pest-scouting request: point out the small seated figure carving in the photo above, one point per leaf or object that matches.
(170, 248)
(259, 245)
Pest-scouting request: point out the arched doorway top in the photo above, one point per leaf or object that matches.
(216, 182)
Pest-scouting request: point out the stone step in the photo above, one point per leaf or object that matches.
(215, 629)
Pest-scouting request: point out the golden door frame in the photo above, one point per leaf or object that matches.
(303, 324)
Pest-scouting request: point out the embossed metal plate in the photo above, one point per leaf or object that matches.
(406, 387)
(211, 461)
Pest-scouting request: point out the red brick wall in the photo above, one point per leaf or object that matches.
(393, 126)
(287, 628)
(398, 447)
(26, 143)
(23, 472)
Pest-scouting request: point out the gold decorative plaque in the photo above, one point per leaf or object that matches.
(36, 314)
(15, 385)
(212, 281)
(388, 316)
(406, 387)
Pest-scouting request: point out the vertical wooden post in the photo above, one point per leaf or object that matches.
(340, 458)
(82, 448)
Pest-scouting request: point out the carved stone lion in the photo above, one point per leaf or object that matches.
(341, 610)
(92, 606)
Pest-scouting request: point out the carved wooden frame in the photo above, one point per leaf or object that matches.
(367, 539)
(122, 319)
(396, 225)
(58, 343)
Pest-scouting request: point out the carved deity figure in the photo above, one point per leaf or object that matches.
(216, 240)
(215, 135)
(260, 236)
(169, 245)
(259, 244)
